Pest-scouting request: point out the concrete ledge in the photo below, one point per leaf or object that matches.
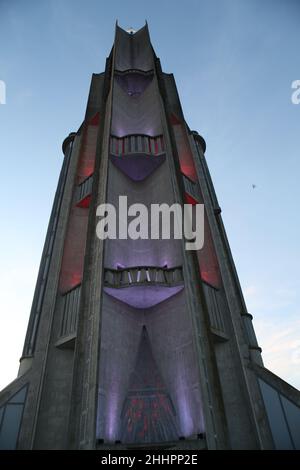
(67, 342)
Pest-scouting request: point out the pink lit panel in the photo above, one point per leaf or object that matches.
(88, 149)
(207, 258)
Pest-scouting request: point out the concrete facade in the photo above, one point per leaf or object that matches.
(140, 343)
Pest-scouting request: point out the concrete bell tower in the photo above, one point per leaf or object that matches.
(140, 343)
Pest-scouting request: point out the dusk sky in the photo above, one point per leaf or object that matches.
(234, 62)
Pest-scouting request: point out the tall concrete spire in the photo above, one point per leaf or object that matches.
(138, 342)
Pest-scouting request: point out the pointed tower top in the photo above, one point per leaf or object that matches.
(133, 49)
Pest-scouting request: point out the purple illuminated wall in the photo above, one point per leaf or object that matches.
(169, 361)
(149, 388)
(138, 167)
(148, 413)
(134, 83)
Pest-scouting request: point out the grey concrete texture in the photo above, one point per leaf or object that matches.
(204, 347)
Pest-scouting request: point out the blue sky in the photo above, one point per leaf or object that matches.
(234, 62)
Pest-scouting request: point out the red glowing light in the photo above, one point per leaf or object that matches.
(207, 258)
(187, 169)
(190, 200)
(74, 249)
(85, 202)
(94, 121)
(184, 150)
(76, 278)
(174, 119)
(88, 150)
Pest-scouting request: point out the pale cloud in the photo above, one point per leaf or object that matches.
(271, 298)
(250, 291)
(24, 97)
(277, 326)
(16, 292)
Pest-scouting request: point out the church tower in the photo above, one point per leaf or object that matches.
(140, 343)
